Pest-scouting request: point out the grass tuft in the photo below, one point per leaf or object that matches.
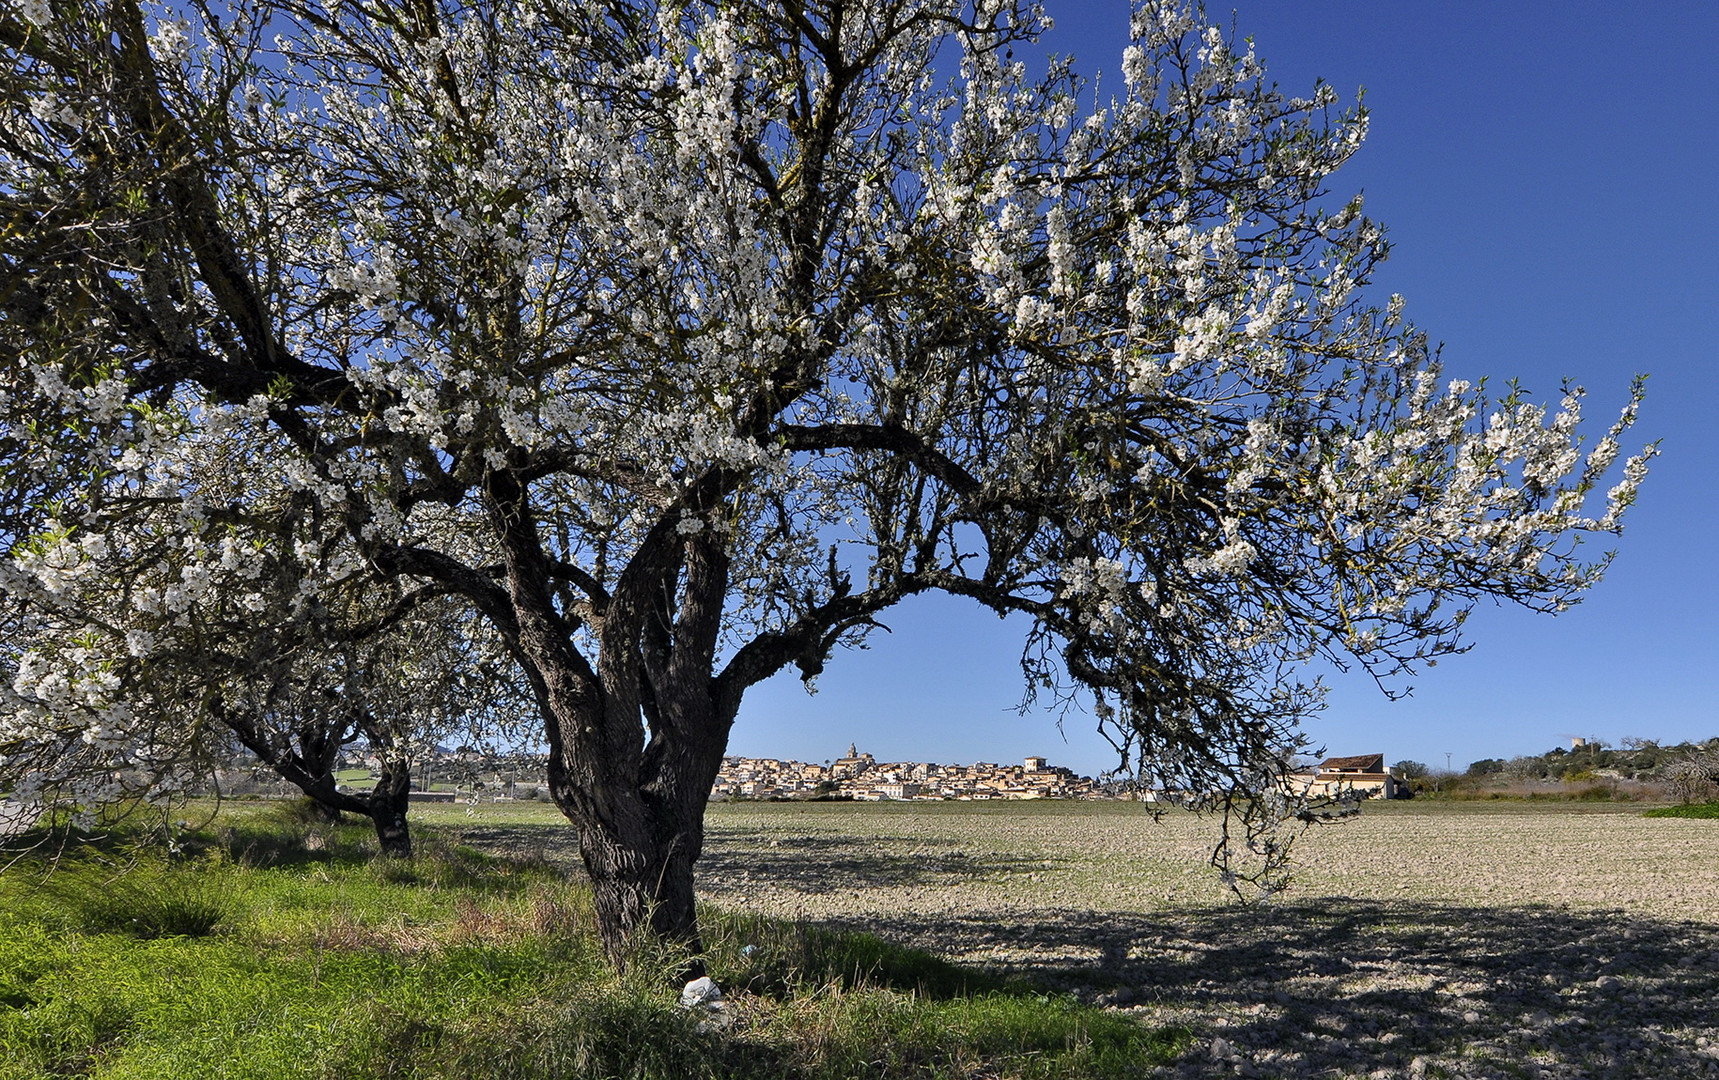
(777, 958)
(150, 899)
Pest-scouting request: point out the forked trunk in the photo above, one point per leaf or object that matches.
(640, 862)
(311, 767)
(641, 831)
(385, 804)
(635, 739)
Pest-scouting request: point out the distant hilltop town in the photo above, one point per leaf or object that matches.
(863, 778)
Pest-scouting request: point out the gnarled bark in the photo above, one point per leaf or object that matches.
(639, 844)
(387, 802)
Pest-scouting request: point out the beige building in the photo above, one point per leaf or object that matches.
(1364, 774)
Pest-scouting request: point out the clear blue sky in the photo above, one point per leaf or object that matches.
(1549, 173)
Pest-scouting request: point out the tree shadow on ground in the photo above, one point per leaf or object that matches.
(1327, 987)
(816, 864)
(806, 863)
(260, 842)
(1357, 988)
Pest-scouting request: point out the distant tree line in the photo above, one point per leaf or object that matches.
(1633, 759)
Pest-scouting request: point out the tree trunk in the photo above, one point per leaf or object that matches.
(648, 832)
(646, 888)
(639, 842)
(393, 835)
(326, 812)
(635, 739)
(389, 800)
(385, 804)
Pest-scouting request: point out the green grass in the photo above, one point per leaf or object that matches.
(1696, 810)
(275, 949)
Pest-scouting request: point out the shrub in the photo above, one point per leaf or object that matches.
(1694, 778)
(1689, 810)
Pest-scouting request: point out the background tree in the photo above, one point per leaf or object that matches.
(680, 342)
(395, 693)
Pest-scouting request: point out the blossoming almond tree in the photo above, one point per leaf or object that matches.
(678, 341)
